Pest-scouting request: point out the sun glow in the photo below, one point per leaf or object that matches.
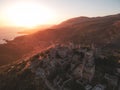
(26, 14)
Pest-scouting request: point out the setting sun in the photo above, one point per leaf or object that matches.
(24, 14)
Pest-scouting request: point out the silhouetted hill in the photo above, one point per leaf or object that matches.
(100, 30)
(103, 32)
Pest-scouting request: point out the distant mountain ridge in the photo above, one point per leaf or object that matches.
(103, 32)
(99, 30)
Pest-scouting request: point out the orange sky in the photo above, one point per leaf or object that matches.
(29, 13)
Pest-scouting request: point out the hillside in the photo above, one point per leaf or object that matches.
(100, 30)
(103, 32)
(63, 67)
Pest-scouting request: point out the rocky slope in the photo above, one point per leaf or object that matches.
(63, 67)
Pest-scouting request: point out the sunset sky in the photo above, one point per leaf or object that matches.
(53, 11)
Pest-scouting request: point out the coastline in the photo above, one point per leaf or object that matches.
(6, 39)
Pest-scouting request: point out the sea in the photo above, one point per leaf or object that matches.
(8, 34)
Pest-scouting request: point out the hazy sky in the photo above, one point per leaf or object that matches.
(73, 8)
